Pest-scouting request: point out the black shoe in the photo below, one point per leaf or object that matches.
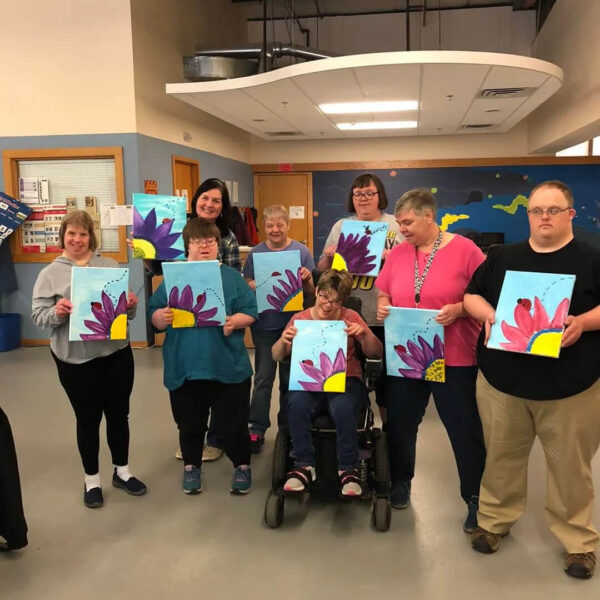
(400, 496)
(132, 486)
(93, 498)
(470, 524)
(256, 442)
(580, 565)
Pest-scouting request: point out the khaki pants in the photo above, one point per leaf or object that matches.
(569, 431)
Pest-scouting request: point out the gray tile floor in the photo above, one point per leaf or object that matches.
(169, 545)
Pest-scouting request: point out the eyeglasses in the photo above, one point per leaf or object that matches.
(327, 300)
(553, 211)
(203, 243)
(368, 195)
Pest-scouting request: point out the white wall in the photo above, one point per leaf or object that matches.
(570, 38)
(163, 33)
(480, 145)
(496, 29)
(67, 67)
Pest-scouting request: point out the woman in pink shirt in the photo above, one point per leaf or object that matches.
(431, 269)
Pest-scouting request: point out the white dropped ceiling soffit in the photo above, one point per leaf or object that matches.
(455, 93)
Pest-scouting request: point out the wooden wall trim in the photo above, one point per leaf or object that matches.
(425, 164)
(10, 159)
(34, 342)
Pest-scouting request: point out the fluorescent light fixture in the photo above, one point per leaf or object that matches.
(347, 108)
(377, 125)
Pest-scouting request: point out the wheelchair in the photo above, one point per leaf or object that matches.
(373, 463)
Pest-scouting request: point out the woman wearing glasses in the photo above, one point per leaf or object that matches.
(431, 270)
(211, 203)
(367, 201)
(333, 289)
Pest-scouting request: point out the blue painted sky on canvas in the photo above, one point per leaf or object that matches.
(313, 338)
(203, 276)
(267, 263)
(87, 284)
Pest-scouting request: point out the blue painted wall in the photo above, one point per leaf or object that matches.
(143, 158)
(471, 199)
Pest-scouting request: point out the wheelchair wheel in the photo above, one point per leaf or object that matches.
(382, 462)
(381, 514)
(280, 459)
(274, 510)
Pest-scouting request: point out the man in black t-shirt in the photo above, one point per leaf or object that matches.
(521, 396)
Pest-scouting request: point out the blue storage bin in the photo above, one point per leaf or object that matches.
(10, 331)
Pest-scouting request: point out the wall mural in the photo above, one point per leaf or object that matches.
(471, 200)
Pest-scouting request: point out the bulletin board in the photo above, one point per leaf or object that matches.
(89, 179)
(473, 196)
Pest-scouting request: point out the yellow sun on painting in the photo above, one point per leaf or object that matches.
(118, 329)
(143, 249)
(335, 382)
(546, 343)
(339, 263)
(294, 303)
(183, 318)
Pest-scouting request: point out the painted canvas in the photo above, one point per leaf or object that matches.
(278, 281)
(318, 362)
(99, 298)
(157, 225)
(195, 293)
(523, 322)
(414, 344)
(360, 247)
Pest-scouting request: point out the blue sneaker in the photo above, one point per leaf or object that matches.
(192, 480)
(242, 480)
(400, 496)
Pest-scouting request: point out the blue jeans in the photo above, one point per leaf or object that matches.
(264, 376)
(406, 401)
(344, 409)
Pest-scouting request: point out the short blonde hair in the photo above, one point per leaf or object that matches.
(419, 200)
(276, 210)
(78, 218)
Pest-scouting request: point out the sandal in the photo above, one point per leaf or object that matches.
(351, 483)
(299, 479)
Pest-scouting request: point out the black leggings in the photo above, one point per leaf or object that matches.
(100, 386)
(229, 405)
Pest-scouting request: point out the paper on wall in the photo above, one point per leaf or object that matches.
(120, 215)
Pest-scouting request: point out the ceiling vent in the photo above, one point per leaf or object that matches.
(283, 133)
(477, 126)
(499, 93)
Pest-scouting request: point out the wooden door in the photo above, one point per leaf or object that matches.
(186, 177)
(292, 190)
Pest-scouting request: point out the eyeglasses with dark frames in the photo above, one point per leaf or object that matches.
(369, 195)
(553, 211)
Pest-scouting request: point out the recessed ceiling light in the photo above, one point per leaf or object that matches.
(341, 108)
(377, 125)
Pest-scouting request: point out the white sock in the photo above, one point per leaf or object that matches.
(123, 472)
(92, 481)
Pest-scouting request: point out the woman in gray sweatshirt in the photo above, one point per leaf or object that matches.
(97, 375)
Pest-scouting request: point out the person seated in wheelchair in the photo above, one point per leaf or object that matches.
(333, 289)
